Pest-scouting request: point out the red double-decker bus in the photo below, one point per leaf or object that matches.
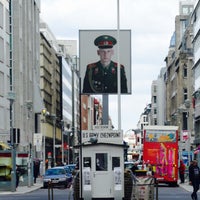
(160, 151)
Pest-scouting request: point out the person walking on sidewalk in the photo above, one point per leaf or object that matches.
(18, 174)
(194, 178)
(36, 169)
(182, 172)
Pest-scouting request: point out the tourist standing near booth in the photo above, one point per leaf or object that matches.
(182, 172)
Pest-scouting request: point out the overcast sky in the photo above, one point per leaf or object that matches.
(152, 23)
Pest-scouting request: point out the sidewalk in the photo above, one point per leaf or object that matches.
(187, 187)
(25, 189)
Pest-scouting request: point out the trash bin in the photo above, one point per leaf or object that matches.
(143, 187)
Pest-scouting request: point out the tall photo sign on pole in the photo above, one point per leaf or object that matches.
(98, 61)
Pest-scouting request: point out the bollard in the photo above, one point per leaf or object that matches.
(50, 191)
(13, 181)
(29, 173)
(156, 183)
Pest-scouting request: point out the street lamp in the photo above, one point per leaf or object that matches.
(11, 98)
(62, 144)
(53, 117)
(44, 113)
(68, 132)
(29, 105)
(187, 105)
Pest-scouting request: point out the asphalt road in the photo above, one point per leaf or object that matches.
(41, 194)
(164, 193)
(173, 193)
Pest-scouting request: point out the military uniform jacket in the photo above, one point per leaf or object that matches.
(99, 79)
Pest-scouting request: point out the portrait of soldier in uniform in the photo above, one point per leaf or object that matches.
(101, 76)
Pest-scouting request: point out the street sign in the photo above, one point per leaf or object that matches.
(185, 135)
(37, 139)
(102, 127)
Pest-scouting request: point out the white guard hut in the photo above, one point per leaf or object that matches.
(102, 165)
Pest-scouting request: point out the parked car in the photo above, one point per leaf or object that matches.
(128, 164)
(71, 167)
(68, 172)
(57, 176)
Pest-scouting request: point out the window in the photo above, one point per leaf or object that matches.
(115, 162)
(185, 10)
(154, 88)
(1, 50)
(185, 121)
(101, 162)
(87, 162)
(7, 54)
(185, 96)
(154, 99)
(185, 71)
(7, 21)
(1, 84)
(1, 15)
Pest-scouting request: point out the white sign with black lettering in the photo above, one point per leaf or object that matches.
(102, 127)
(105, 136)
(38, 141)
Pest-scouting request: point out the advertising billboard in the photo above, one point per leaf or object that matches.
(98, 52)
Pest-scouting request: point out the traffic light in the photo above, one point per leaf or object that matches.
(125, 150)
(16, 135)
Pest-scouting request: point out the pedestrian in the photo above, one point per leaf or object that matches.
(46, 164)
(150, 170)
(134, 168)
(194, 178)
(18, 174)
(101, 76)
(182, 171)
(36, 169)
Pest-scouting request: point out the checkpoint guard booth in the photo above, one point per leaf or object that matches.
(102, 165)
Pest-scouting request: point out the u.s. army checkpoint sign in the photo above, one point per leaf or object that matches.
(103, 136)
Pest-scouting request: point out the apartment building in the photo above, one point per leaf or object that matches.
(196, 70)
(50, 82)
(60, 55)
(158, 100)
(4, 70)
(179, 79)
(25, 68)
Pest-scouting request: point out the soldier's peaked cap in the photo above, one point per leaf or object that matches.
(105, 41)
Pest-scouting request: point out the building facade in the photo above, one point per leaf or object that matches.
(179, 78)
(25, 68)
(53, 86)
(158, 100)
(4, 70)
(196, 70)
